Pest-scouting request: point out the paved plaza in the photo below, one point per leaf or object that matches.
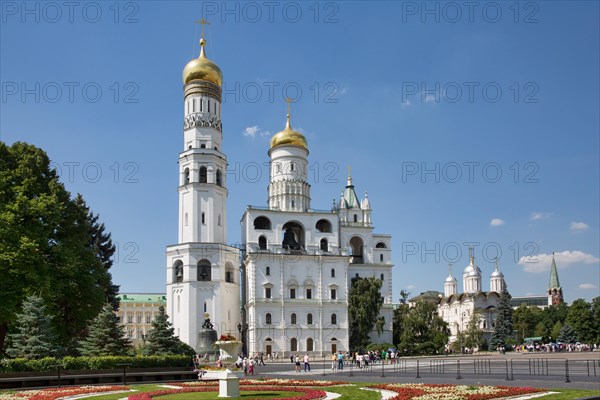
(543, 370)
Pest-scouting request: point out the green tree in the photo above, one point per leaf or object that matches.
(596, 318)
(399, 314)
(106, 337)
(555, 332)
(46, 247)
(161, 339)
(580, 317)
(31, 210)
(550, 316)
(34, 337)
(503, 329)
(104, 249)
(422, 327)
(364, 303)
(567, 334)
(526, 321)
(473, 334)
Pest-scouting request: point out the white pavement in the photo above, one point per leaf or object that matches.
(385, 394)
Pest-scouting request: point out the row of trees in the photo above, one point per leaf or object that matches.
(35, 335)
(420, 330)
(578, 322)
(55, 259)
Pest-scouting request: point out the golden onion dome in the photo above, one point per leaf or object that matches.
(288, 137)
(202, 69)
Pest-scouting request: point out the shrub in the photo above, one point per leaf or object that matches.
(380, 346)
(92, 363)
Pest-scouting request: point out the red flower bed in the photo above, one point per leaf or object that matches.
(56, 393)
(459, 392)
(263, 382)
(308, 394)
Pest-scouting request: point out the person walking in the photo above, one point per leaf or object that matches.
(297, 360)
(261, 360)
(251, 366)
(306, 363)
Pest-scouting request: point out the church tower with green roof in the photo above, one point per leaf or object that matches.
(555, 293)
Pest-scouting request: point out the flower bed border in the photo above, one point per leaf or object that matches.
(265, 382)
(407, 391)
(309, 394)
(57, 393)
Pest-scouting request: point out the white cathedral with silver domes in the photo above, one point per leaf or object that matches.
(457, 308)
(296, 262)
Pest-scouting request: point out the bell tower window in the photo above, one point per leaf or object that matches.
(203, 175)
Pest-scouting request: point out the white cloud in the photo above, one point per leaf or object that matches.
(496, 222)
(406, 103)
(578, 226)
(535, 216)
(411, 287)
(251, 131)
(430, 98)
(587, 286)
(541, 262)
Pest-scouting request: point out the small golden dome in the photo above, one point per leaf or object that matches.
(288, 137)
(202, 69)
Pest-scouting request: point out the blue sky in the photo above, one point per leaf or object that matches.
(464, 124)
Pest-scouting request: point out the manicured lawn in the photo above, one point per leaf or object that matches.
(244, 395)
(139, 388)
(567, 394)
(354, 393)
(348, 392)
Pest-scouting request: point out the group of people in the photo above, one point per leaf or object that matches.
(362, 359)
(247, 364)
(296, 359)
(552, 347)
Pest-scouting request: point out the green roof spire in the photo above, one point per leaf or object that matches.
(350, 194)
(554, 282)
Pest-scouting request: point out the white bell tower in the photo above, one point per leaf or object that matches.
(202, 270)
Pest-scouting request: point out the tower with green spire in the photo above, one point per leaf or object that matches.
(555, 293)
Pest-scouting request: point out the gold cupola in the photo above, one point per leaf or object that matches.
(288, 137)
(202, 69)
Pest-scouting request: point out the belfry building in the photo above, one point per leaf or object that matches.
(286, 289)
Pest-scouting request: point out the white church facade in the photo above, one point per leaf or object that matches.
(457, 308)
(286, 289)
(299, 262)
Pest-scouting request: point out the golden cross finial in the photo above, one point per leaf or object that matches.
(289, 104)
(203, 22)
(349, 170)
(450, 268)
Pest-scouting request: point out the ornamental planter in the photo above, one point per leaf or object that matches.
(229, 350)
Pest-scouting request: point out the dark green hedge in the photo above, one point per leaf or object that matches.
(82, 363)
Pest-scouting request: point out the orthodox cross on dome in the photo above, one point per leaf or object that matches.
(496, 260)
(289, 102)
(203, 22)
(449, 269)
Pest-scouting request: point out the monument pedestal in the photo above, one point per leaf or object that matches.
(229, 384)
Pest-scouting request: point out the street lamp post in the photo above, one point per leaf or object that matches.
(243, 329)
